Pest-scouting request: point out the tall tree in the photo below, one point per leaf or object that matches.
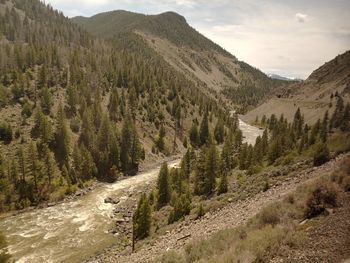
(204, 129)
(163, 185)
(62, 138)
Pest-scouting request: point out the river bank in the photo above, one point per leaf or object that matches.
(83, 225)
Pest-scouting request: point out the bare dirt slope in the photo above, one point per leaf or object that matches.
(314, 96)
(230, 216)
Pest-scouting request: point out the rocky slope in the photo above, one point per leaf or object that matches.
(314, 96)
(188, 52)
(230, 216)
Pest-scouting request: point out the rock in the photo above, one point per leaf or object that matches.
(120, 220)
(230, 200)
(304, 222)
(112, 200)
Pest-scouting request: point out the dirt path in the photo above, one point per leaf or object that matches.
(230, 216)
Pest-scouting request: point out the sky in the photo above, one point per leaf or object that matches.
(286, 37)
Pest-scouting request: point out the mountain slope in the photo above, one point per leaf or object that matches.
(314, 96)
(188, 52)
(75, 108)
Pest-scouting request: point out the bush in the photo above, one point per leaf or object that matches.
(5, 132)
(27, 110)
(269, 215)
(75, 125)
(321, 197)
(321, 154)
(201, 211)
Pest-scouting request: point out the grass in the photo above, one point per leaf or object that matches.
(274, 230)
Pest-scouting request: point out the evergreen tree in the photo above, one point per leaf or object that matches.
(227, 154)
(194, 135)
(163, 185)
(345, 125)
(142, 219)
(223, 185)
(219, 132)
(46, 100)
(160, 140)
(62, 138)
(33, 163)
(211, 169)
(204, 129)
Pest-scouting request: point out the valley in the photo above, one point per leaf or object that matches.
(131, 137)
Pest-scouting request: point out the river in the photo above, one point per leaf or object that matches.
(75, 230)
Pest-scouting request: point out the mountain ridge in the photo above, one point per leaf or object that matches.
(188, 52)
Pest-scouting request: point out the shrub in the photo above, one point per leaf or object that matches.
(321, 154)
(201, 211)
(27, 110)
(269, 215)
(75, 125)
(5, 132)
(321, 197)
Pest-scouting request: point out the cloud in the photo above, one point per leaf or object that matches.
(301, 18)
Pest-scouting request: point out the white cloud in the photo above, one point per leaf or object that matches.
(301, 17)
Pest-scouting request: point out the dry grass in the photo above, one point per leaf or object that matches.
(274, 230)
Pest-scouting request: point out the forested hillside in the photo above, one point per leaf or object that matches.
(188, 52)
(74, 108)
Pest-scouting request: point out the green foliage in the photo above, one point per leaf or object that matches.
(46, 100)
(194, 135)
(182, 207)
(321, 154)
(163, 185)
(321, 197)
(219, 132)
(5, 132)
(223, 185)
(62, 138)
(142, 219)
(204, 130)
(130, 148)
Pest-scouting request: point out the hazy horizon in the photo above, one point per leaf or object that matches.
(290, 39)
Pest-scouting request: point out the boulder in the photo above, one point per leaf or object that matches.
(112, 200)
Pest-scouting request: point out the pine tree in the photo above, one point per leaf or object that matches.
(219, 132)
(324, 127)
(345, 125)
(62, 138)
(72, 99)
(223, 185)
(49, 164)
(227, 154)
(142, 219)
(242, 157)
(160, 140)
(163, 185)
(113, 106)
(194, 136)
(204, 129)
(211, 169)
(22, 164)
(33, 163)
(46, 100)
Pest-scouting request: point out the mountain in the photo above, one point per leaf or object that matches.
(275, 76)
(187, 51)
(75, 108)
(314, 96)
